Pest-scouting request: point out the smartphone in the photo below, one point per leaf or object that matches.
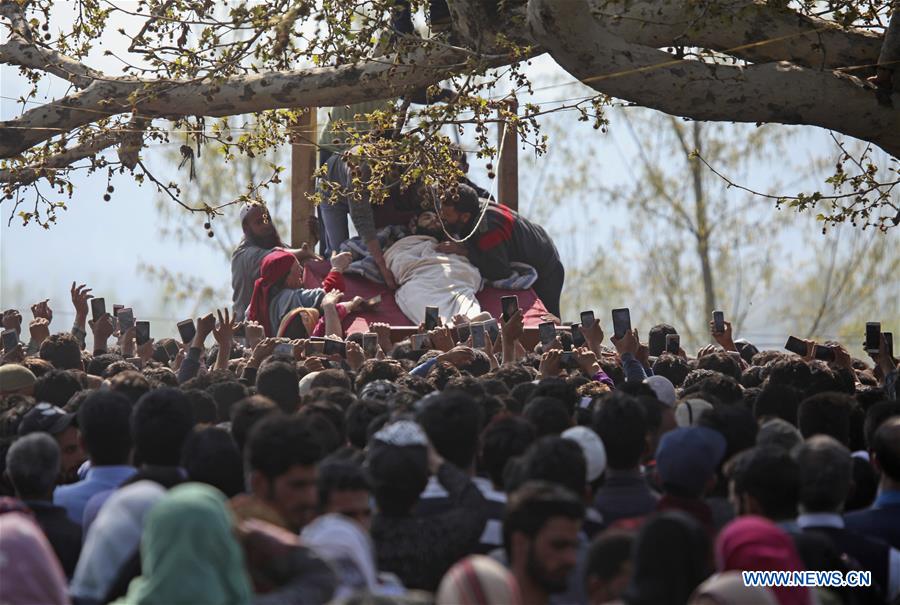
(171, 348)
(577, 336)
(432, 319)
(673, 343)
(889, 338)
(137, 362)
(621, 322)
(116, 309)
(10, 340)
(718, 322)
(187, 330)
(375, 300)
(98, 308)
(795, 345)
(370, 344)
(547, 332)
(419, 341)
(142, 332)
(284, 348)
(125, 319)
(241, 330)
(478, 335)
(462, 333)
(315, 346)
(873, 336)
(567, 360)
(509, 305)
(587, 319)
(335, 347)
(493, 329)
(823, 353)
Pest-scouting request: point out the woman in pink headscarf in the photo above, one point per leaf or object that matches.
(29, 570)
(756, 544)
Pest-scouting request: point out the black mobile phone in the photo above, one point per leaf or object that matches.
(432, 319)
(587, 319)
(889, 338)
(478, 335)
(621, 322)
(462, 333)
(795, 345)
(873, 336)
(509, 305)
(823, 353)
(578, 340)
(547, 332)
(335, 347)
(187, 330)
(718, 322)
(98, 308)
(142, 332)
(567, 360)
(370, 344)
(171, 348)
(125, 319)
(10, 340)
(116, 309)
(673, 343)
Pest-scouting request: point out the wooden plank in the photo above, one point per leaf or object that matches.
(303, 166)
(508, 170)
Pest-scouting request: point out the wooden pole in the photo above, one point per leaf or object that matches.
(508, 170)
(303, 167)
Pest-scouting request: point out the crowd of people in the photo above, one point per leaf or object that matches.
(257, 468)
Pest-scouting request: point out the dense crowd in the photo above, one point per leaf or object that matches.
(259, 469)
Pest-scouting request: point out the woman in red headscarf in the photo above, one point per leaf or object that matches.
(279, 291)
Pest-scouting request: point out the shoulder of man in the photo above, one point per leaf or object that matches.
(496, 228)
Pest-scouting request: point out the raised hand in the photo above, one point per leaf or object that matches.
(629, 343)
(12, 320)
(42, 310)
(102, 329)
(223, 332)
(253, 333)
(80, 296)
(441, 338)
(724, 338)
(39, 329)
(205, 325)
(549, 367)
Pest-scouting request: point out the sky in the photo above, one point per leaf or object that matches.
(103, 243)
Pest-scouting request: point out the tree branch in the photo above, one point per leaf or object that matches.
(770, 92)
(889, 58)
(19, 177)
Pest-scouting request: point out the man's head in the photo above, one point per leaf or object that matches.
(764, 481)
(621, 424)
(344, 489)
(452, 422)
(826, 472)
(62, 351)
(33, 465)
(687, 458)
(358, 417)
(555, 460)
(427, 223)
(56, 387)
(246, 413)
(503, 439)
(104, 423)
(826, 414)
(460, 211)
(656, 342)
(46, 418)
(397, 461)
(540, 534)
(281, 458)
(258, 226)
(278, 381)
(886, 450)
(161, 423)
(608, 566)
(548, 415)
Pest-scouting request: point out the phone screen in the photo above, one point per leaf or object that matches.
(142, 332)
(718, 322)
(621, 322)
(587, 319)
(795, 345)
(171, 348)
(98, 308)
(493, 330)
(673, 343)
(823, 353)
(126, 319)
(335, 347)
(577, 337)
(547, 332)
(187, 330)
(509, 306)
(370, 344)
(462, 333)
(873, 336)
(10, 340)
(567, 360)
(431, 318)
(375, 300)
(116, 309)
(419, 341)
(284, 348)
(477, 335)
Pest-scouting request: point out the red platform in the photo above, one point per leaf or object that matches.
(388, 312)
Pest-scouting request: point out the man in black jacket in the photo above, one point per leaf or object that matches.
(500, 238)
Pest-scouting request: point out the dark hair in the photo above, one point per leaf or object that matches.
(754, 376)
(512, 375)
(787, 369)
(332, 378)
(374, 369)
(522, 392)
(670, 558)
(469, 385)
(724, 388)
(876, 416)
(608, 554)
(452, 421)
(554, 460)
(160, 377)
(63, 351)
(721, 362)
(103, 422)
(326, 434)
(466, 200)
(278, 443)
(358, 418)
(622, 426)
(56, 387)
(38, 366)
(548, 415)
(823, 379)
(826, 472)
(99, 363)
(161, 422)
(771, 476)
(211, 456)
(494, 386)
(735, 423)
(504, 438)
(672, 367)
(76, 400)
(531, 506)
(826, 414)
(278, 381)
(564, 391)
(132, 384)
(441, 373)
(865, 486)
(656, 340)
(416, 384)
(246, 413)
(203, 406)
(886, 446)
(117, 367)
(226, 393)
(479, 366)
(777, 401)
(339, 476)
(398, 475)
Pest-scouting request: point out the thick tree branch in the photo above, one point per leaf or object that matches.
(19, 51)
(770, 92)
(756, 31)
(889, 57)
(19, 177)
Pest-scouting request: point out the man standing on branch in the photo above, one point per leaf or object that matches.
(260, 238)
(503, 237)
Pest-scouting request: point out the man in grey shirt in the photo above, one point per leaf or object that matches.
(260, 238)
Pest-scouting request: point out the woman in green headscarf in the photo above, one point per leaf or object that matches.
(189, 553)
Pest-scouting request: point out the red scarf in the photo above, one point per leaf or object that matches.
(273, 268)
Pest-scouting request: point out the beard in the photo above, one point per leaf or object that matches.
(269, 240)
(541, 576)
(437, 233)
